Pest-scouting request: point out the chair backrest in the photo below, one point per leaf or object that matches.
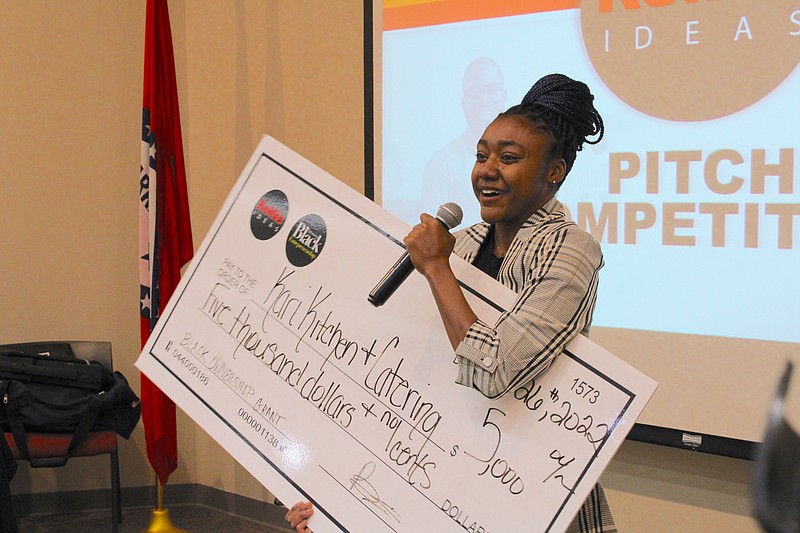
(776, 470)
(99, 351)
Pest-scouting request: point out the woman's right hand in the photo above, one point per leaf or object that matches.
(429, 245)
(298, 516)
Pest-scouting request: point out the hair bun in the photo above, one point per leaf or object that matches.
(570, 99)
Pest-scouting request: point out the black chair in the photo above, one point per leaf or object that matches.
(47, 450)
(776, 470)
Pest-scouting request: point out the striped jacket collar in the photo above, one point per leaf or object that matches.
(552, 211)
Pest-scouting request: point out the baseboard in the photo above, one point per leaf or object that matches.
(143, 497)
(258, 510)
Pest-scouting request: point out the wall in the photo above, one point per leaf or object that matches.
(657, 489)
(292, 70)
(71, 89)
(72, 92)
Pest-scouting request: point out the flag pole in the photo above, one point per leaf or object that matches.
(159, 518)
(165, 234)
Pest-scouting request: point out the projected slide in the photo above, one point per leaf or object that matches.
(693, 192)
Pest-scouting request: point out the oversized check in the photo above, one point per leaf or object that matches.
(270, 345)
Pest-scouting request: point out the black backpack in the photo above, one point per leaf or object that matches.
(57, 393)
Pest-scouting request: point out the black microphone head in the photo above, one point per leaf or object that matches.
(450, 214)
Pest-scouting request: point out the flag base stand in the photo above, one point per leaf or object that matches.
(161, 523)
(159, 518)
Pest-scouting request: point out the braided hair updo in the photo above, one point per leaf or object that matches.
(564, 108)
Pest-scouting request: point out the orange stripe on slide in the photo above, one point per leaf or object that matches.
(412, 14)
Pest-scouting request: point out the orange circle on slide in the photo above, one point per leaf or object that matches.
(692, 60)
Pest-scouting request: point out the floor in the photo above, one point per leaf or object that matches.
(189, 518)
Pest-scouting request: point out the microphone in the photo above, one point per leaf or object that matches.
(450, 215)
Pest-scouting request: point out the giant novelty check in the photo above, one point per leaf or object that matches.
(270, 345)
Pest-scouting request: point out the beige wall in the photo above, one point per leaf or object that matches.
(71, 93)
(292, 70)
(71, 117)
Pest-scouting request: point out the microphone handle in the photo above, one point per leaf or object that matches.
(393, 279)
(395, 276)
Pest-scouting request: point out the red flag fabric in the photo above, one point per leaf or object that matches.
(165, 233)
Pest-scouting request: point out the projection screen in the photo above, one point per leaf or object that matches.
(693, 192)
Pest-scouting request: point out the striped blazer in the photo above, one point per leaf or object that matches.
(552, 265)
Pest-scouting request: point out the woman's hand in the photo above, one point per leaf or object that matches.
(298, 516)
(429, 245)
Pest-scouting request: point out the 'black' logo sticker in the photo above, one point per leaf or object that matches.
(306, 240)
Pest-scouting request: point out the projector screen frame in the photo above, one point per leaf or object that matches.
(641, 432)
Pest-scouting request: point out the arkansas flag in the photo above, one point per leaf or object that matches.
(165, 231)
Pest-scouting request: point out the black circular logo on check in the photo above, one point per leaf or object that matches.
(269, 214)
(306, 240)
